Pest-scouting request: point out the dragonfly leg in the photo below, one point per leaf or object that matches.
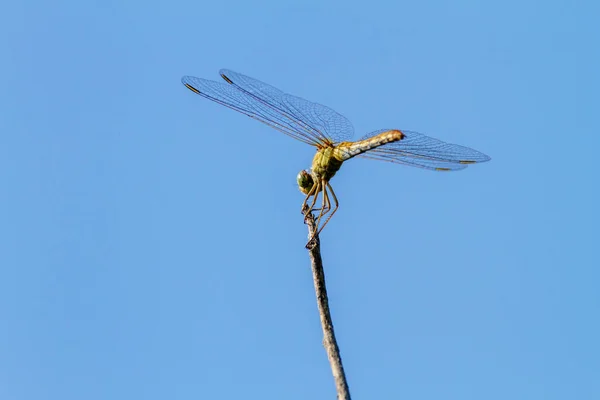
(325, 206)
(305, 202)
(335, 200)
(317, 188)
(311, 192)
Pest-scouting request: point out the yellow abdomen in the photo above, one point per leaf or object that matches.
(347, 150)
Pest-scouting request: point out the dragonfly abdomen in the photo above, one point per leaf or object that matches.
(347, 150)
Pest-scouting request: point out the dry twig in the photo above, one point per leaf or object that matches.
(329, 342)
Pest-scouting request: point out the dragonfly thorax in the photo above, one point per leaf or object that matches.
(324, 167)
(325, 164)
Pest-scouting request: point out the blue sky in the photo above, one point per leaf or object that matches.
(151, 244)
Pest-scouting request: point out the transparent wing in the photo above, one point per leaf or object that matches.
(322, 122)
(422, 151)
(303, 120)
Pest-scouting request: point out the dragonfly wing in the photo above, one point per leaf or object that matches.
(307, 122)
(229, 96)
(321, 122)
(422, 151)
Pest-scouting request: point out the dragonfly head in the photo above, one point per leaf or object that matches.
(305, 181)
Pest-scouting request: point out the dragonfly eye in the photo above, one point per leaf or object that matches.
(305, 181)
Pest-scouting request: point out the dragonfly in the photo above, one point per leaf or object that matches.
(330, 132)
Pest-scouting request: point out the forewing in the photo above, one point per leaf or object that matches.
(316, 120)
(422, 151)
(229, 96)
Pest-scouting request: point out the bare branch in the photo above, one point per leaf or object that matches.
(329, 342)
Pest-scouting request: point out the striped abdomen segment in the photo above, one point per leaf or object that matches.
(347, 150)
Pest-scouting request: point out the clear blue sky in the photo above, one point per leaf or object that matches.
(151, 244)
